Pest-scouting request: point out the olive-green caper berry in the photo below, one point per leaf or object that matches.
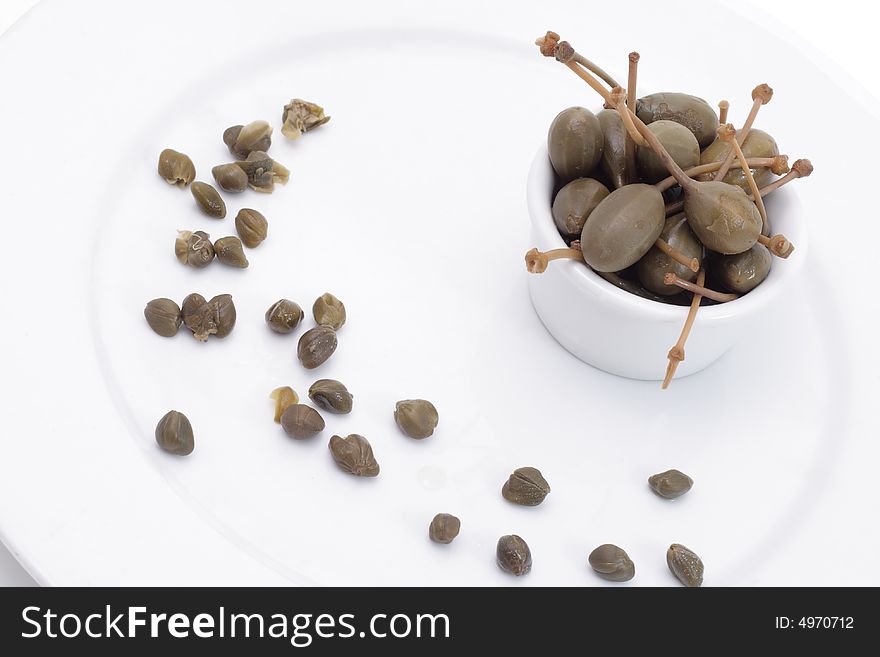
(198, 316)
(670, 484)
(679, 142)
(331, 396)
(284, 315)
(229, 251)
(574, 143)
(612, 563)
(574, 203)
(354, 455)
(208, 199)
(174, 434)
(329, 311)
(243, 139)
(685, 565)
(694, 113)
(176, 168)
(230, 177)
(224, 314)
(252, 227)
(163, 316)
(316, 346)
(300, 421)
(722, 217)
(194, 249)
(526, 487)
(513, 555)
(444, 528)
(417, 418)
(284, 397)
(743, 272)
(756, 144)
(300, 116)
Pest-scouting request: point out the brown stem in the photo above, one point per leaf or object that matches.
(676, 354)
(800, 169)
(617, 101)
(778, 245)
(727, 133)
(761, 95)
(778, 163)
(691, 263)
(537, 261)
(630, 144)
(697, 288)
(723, 106)
(548, 45)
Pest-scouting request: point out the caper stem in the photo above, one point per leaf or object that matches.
(618, 102)
(590, 80)
(691, 263)
(778, 245)
(723, 107)
(800, 169)
(537, 261)
(629, 143)
(590, 66)
(548, 46)
(697, 288)
(676, 354)
(727, 132)
(761, 95)
(753, 162)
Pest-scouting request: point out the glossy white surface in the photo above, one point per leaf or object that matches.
(85, 497)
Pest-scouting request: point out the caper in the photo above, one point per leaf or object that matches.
(574, 143)
(176, 168)
(331, 396)
(199, 317)
(354, 455)
(329, 311)
(526, 487)
(670, 484)
(224, 314)
(230, 177)
(174, 434)
(316, 346)
(230, 252)
(513, 555)
(613, 162)
(194, 249)
(243, 139)
(692, 112)
(743, 272)
(722, 217)
(284, 397)
(417, 418)
(284, 315)
(612, 563)
(300, 116)
(678, 141)
(685, 565)
(444, 528)
(756, 144)
(300, 421)
(252, 227)
(654, 264)
(263, 172)
(574, 203)
(208, 199)
(163, 316)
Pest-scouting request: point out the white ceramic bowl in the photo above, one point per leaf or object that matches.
(627, 335)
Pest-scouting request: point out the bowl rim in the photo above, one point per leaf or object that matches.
(540, 185)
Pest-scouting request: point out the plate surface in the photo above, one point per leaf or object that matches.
(409, 206)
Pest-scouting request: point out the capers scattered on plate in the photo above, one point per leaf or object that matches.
(354, 455)
(331, 396)
(205, 318)
(284, 316)
(300, 116)
(612, 563)
(300, 421)
(174, 434)
(230, 252)
(208, 199)
(526, 487)
(444, 528)
(230, 177)
(284, 397)
(316, 346)
(163, 316)
(417, 418)
(263, 172)
(176, 168)
(670, 484)
(224, 313)
(194, 248)
(329, 311)
(252, 227)
(685, 565)
(242, 140)
(513, 555)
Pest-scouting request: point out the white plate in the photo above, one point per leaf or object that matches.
(408, 205)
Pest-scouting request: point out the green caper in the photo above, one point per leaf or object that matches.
(300, 116)
(612, 563)
(230, 177)
(163, 316)
(243, 139)
(194, 249)
(613, 162)
(756, 144)
(263, 172)
(284, 397)
(513, 555)
(176, 168)
(300, 421)
(224, 313)
(208, 199)
(526, 487)
(623, 227)
(678, 141)
(743, 272)
(722, 217)
(252, 227)
(444, 528)
(654, 264)
(692, 112)
(174, 434)
(574, 143)
(670, 484)
(284, 315)
(329, 311)
(331, 396)
(316, 346)
(574, 203)
(417, 418)
(199, 317)
(354, 455)
(685, 565)
(230, 252)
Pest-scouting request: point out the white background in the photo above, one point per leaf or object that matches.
(836, 38)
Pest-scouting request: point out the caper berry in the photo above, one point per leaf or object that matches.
(194, 249)
(252, 227)
(174, 434)
(612, 563)
(199, 317)
(300, 421)
(354, 455)
(224, 314)
(756, 144)
(163, 316)
(229, 251)
(329, 311)
(331, 396)
(444, 528)
(284, 397)
(208, 199)
(316, 346)
(284, 315)
(685, 565)
(574, 203)
(417, 418)
(513, 555)
(300, 116)
(176, 168)
(243, 139)
(679, 142)
(690, 111)
(670, 484)
(654, 265)
(263, 172)
(743, 272)
(230, 177)
(526, 487)
(575, 143)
